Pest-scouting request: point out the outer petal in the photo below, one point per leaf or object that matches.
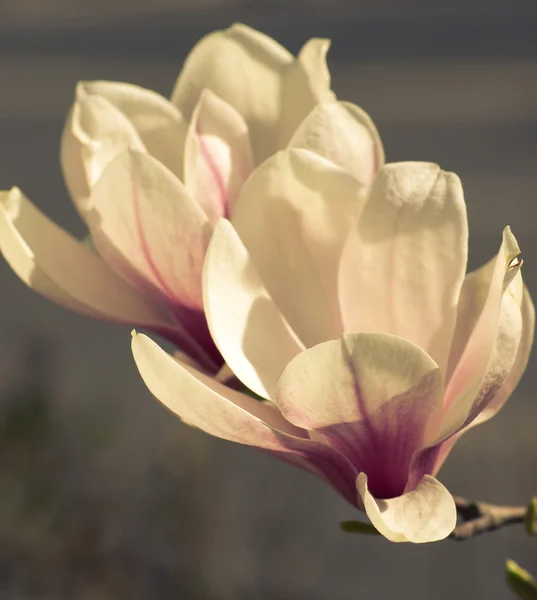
(425, 514)
(404, 264)
(56, 265)
(306, 84)
(160, 125)
(146, 225)
(246, 325)
(218, 156)
(207, 404)
(374, 397)
(478, 370)
(95, 132)
(245, 68)
(344, 134)
(293, 216)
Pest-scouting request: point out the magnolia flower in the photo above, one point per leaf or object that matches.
(151, 176)
(348, 311)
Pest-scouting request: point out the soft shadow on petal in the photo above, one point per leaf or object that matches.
(404, 264)
(218, 155)
(373, 397)
(246, 325)
(469, 374)
(245, 68)
(293, 215)
(53, 263)
(94, 133)
(216, 409)
(426, 514)
(146, 225)
(344, 134)
(160, 125)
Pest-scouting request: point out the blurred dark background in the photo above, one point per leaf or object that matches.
(103, 494)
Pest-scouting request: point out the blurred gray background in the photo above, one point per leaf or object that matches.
(103, 494)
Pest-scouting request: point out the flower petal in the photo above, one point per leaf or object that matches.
(486, 301)
(374, 397)
(246, 325)
(158, 122)
(306, 84)
(94, 133)
(146, 225)
(293, 216)
(404, 263)
(216, 409)
(54, 264)
(245, 68)
(425, 514)
(345, 135)
(218, 156)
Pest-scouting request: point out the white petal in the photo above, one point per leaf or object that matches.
(209, 405)
(146, 225)
(245, 68)
(160, 125)
(218, 156)
(95, 132)
(344, 134)
(246, 325)
(469, 374)
(404, 263)
(306, 84)
(293, 216)
(56, 265)
(426, 514)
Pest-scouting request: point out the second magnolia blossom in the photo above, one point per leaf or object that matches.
(349, 311)
(151, 176)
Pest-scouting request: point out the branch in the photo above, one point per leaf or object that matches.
(480, 517)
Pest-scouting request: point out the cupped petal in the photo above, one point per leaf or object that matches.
(54, 264)
(159, 123)
(94, 133)
(245, 68)
(216, 409)
(246, 325)
(293, 216)
(344, 134)
(487, 338)
(519, 366)
(306, 84)
(425, 514)
(146, 225)
(375, 397)
(218, 155)
(404, 263)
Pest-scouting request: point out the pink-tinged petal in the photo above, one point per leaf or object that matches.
(94, 133)
(54, 264)
(146, 225)
(344, 134)
(481, 366)
(159, 124)
(246, 325)
(519, 366)
(245, 68)
(293, 216)
(404, 263)
(216, 409)
(425, 514)
(306, 84)
(374, 397)
(218, 156)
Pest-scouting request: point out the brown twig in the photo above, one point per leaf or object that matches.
(480, 517)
